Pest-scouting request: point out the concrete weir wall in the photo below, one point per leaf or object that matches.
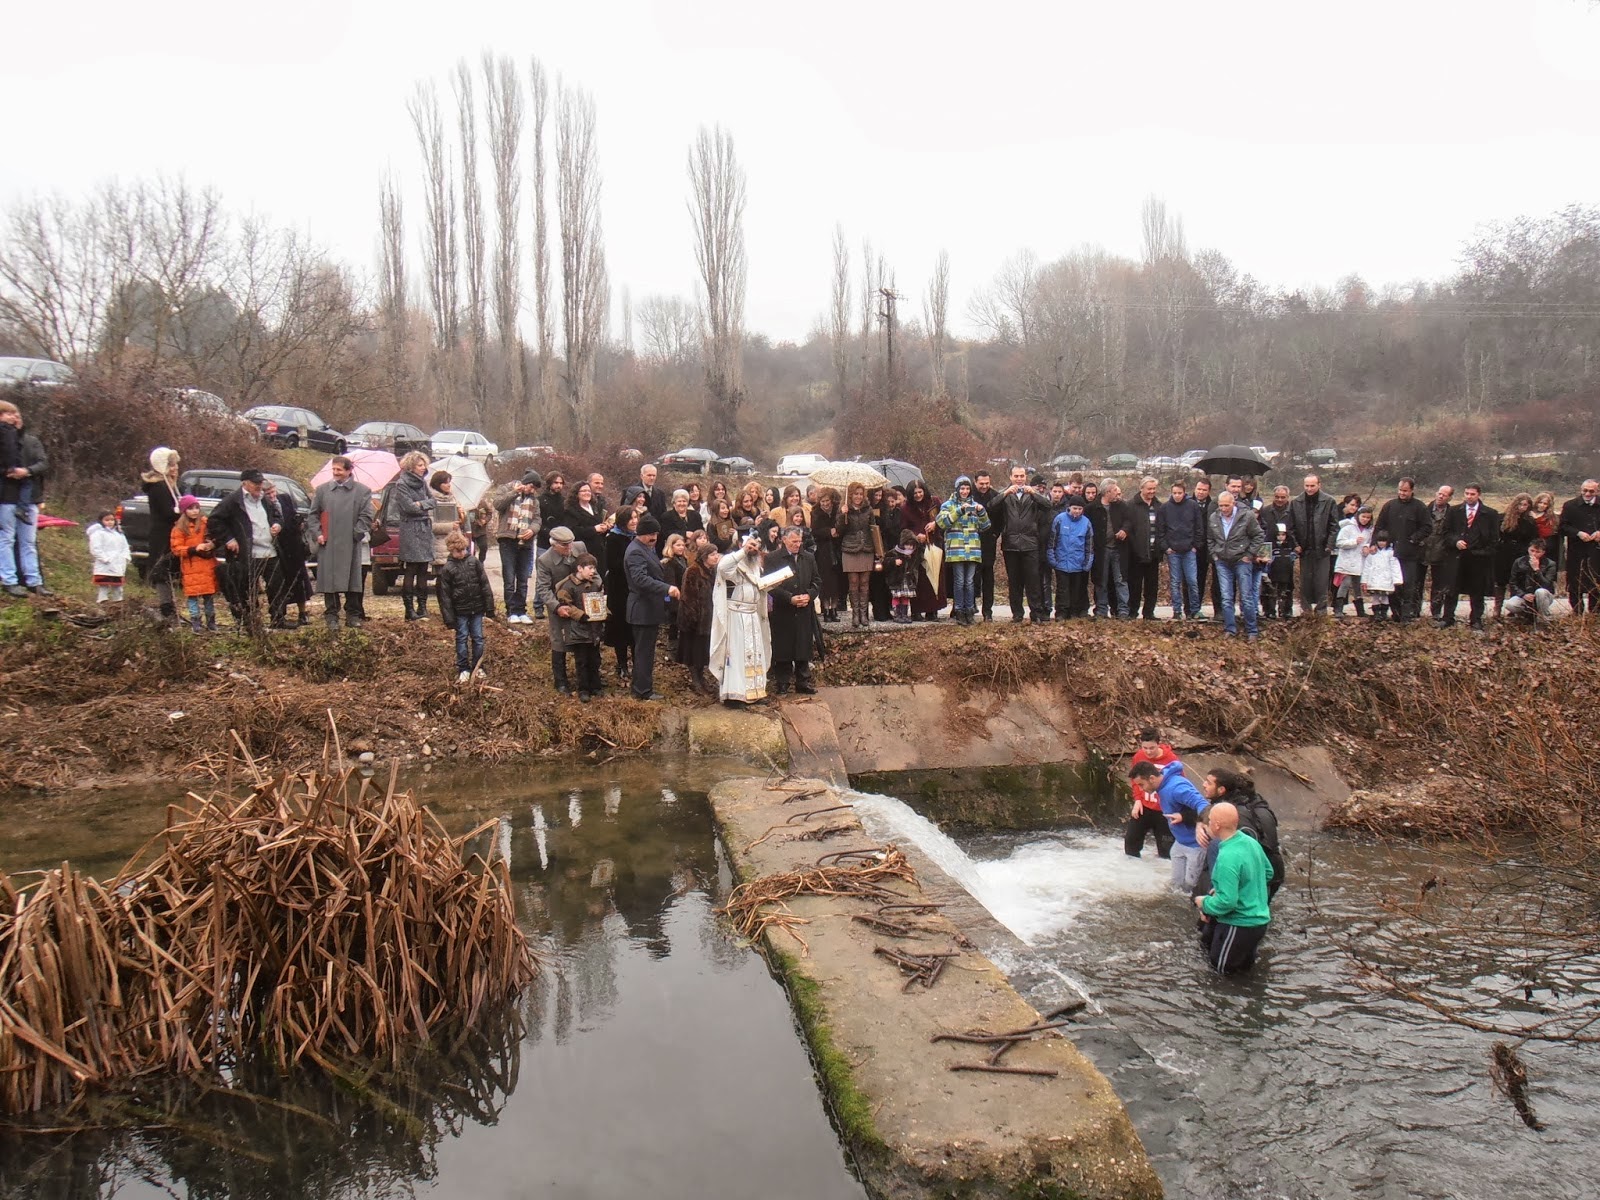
(917, 1128)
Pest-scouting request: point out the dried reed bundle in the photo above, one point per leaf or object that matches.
(301, 923)
(850, 873)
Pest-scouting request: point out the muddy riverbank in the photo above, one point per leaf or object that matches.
(123, 701)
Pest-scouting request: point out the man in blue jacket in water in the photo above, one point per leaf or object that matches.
(1183, 806)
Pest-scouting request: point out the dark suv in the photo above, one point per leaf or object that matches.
(291, 427)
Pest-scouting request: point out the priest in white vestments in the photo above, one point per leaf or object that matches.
(741, 639)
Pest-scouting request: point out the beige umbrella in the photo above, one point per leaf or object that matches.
(843, 474)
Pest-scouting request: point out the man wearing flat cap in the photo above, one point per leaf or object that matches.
(648, 593)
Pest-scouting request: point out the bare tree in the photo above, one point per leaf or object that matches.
(716, 205)
(669, 329)
(56, 278)
(392, 304)
(933, 311)
(625, 304)
(539, 88)
(503, 93)
(439, 247)
(870, 275)
(473, 242)
(839, 317)
(584, 291)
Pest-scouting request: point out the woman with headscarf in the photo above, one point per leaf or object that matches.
(160, 487)
(920, 514)
(619, 634)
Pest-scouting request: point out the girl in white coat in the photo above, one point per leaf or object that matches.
(1381, 575)
(109, 548)
(1355, 533)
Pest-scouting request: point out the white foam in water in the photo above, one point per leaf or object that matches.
(1036, 891)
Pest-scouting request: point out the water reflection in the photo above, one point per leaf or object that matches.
(656, 1056)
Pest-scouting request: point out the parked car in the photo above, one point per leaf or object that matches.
(397, 437)
(736, 465)
(801, 464)
(465, 442)
(207, 485)
(1189, 457)
(292, 427)
(1122, 462)
(35, 372)
(691, 458)
(1325, 457)
(1069, 462)
(1161, 464)
(521, 456)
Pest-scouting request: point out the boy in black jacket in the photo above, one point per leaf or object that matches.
(465, 598)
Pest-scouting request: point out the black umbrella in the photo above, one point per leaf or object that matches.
(1233, 460)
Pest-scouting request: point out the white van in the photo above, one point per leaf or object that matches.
(800, 464)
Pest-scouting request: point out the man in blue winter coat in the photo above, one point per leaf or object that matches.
(1183, 806)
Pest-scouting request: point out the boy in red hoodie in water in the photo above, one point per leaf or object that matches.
(1146, 816)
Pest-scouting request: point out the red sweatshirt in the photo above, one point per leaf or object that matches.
(1149, 799)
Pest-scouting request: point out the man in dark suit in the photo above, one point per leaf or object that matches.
(983, 492)
(1474, 531)
(655, 501)
(794, 626)
(1580, 522)
(1315, 520)
(1407, 522)
(648, 593)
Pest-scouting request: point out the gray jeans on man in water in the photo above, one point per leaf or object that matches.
(1187, 863)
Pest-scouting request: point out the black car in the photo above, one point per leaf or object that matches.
(290, 427)
(397, 437)
(208, 485)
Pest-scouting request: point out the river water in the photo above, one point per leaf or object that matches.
(660, 1057)
(1295, 1080)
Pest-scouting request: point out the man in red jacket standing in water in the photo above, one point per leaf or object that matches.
(1146, 816)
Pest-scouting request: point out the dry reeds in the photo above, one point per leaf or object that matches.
(318, 920)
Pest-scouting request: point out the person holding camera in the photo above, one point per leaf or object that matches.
(964, 521)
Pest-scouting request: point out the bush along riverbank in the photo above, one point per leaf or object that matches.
(1506, 719)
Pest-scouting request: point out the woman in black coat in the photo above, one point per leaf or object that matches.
(619, 634)
(826, 533)
(293, 583)
(589, 523)
(160, 487)
(1517, 529)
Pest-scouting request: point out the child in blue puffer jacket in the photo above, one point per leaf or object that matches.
(1071, 555)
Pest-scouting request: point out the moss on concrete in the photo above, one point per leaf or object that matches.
(852, 1111)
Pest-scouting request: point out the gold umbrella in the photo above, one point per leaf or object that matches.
(843, 474)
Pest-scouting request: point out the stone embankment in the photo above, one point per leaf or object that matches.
(917, 1128)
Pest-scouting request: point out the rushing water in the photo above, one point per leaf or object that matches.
(659, 1059)
(1293, 1081)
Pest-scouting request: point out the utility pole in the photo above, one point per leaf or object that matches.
(887, 314)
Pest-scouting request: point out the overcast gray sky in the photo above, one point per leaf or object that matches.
(1304, 141)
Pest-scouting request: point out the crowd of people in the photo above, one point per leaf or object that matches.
(753, 572)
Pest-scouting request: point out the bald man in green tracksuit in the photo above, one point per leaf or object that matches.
(1238, 898)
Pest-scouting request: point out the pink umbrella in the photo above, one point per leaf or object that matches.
(372, 467)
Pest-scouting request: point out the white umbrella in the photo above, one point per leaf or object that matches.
(843, 474)
(468, 479)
